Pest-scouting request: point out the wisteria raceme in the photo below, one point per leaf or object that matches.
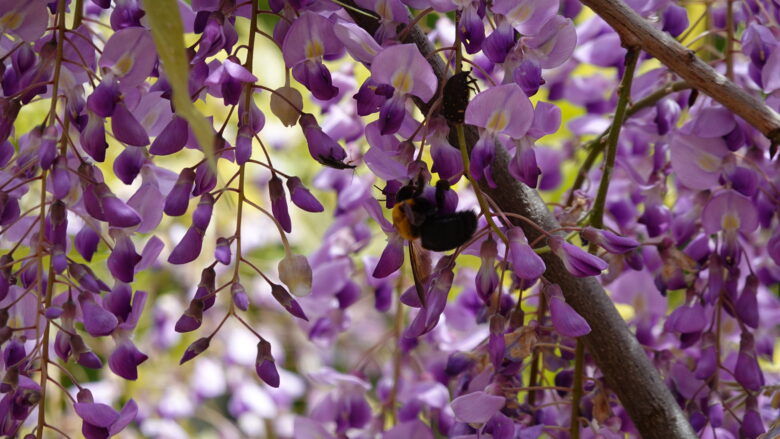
(296, 290)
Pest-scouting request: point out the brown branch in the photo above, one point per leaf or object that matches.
(636, 31)
(624, 363)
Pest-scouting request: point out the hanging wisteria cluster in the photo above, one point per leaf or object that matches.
(137, 150)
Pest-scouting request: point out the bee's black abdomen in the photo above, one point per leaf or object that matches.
(446, 232)
(455, 97)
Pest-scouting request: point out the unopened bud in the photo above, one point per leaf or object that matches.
(195, 349)
(281, 108)
(295, 272)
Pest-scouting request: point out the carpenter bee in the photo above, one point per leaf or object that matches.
(415, 216)
(455, 96)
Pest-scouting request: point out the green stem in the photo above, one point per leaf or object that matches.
(624, 95)
(247, 110)
(596, 146)
(597, 214)
(46, 296)
(576, 396)
(78, 13)
(533, 379)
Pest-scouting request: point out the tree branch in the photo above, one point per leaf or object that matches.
(636, 31)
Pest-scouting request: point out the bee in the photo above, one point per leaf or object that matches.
(415, 216)
(455, 96)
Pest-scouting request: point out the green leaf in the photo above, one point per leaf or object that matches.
(168, 34)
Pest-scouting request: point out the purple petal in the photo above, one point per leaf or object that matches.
(126, 416)
(403, 67)
(86, 242)
(98, 321)
(172, 138)
(178, 199)
(301, 196)
(93, 138)
(125, 359)
(526, 264)
(687, 319)
(392, 257)
(188, 249)
(119, 214)
(696, 161)
(90, 360)
(501, 109)
(310, 36)
(196, 348)
(123, 260)
(126, 128)
(279, 203)
(566, 320)
(554, 44)
(316, 77)
(130, 55)
(97, 414)
(128, 164)
(477, 407)
(527, 17)
(729, 211)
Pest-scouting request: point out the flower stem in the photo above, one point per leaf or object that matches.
(624, 95)
(46, 296)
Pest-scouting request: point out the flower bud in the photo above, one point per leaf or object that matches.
(487, 278)
(281, 107)
(564, 318)
(265, 365)
(576, 260)
(301, 196)
(192, 317)
(222, 251)
(240, 298)
(288, 303)
(172, 138)
(526, 264)
(195, 349)
(279, 203)
(178, 199)
(89, 360)
(747, 304)
(48, 149)
(295, 272)
(202, 215)
(747, 372)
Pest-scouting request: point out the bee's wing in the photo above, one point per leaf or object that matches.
(420, 261)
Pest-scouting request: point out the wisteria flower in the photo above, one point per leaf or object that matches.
(309, 40)
(100, 421)
(503, 109)
(408, 73)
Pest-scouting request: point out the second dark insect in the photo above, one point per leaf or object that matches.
(455, 96)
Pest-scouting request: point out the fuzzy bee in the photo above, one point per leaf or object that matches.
(416, 217)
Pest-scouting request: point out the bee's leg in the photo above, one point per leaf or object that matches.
(442, 186)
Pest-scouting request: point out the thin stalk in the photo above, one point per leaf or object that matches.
(730, 39)
(241, 173)
(576, 394)
(533, 379)
(624, 95)
(596, 146)
(45, 298)
(597, 214)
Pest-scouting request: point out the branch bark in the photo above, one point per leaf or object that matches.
(636, 31)
(626, 367)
